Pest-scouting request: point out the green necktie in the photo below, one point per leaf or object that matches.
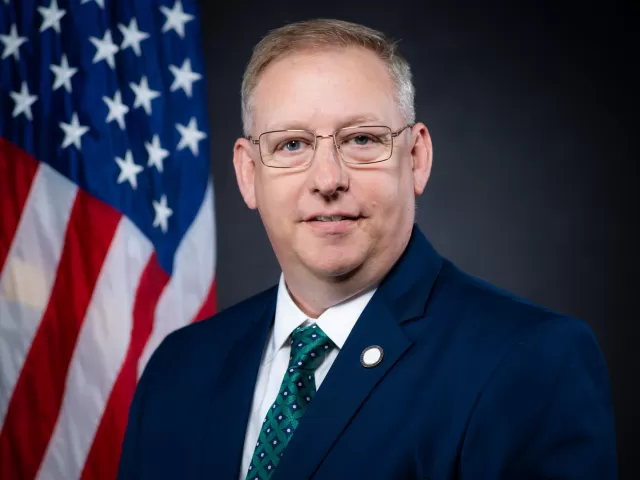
(309, 345)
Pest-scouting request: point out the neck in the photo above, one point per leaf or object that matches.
(314, 296)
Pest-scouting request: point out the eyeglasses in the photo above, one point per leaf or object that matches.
(356, 145)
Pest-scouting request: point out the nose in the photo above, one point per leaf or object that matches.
(328, 174)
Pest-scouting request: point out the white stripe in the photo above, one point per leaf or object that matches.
(30, 270)
(100, 351)
(193, 274)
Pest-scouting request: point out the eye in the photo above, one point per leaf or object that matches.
(292, 145)
(362, 140)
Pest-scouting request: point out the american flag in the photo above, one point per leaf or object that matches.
(107, 234)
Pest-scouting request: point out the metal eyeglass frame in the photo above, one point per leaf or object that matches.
(256, 141)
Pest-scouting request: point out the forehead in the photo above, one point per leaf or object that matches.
(325, 89)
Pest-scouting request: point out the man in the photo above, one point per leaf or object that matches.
(374, 357)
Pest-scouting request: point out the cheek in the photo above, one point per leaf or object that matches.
(388, 198)
(386, 193)
(276, 198)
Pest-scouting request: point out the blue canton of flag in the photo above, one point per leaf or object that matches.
(107, 233)
(110, 94)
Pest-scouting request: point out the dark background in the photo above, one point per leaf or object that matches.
(532, 112)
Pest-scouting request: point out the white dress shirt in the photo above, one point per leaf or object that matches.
(336, 322)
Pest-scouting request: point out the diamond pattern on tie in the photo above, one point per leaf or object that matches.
(309, 346)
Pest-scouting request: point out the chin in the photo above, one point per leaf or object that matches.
(336, 265)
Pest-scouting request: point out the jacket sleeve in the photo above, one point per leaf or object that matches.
(545, 412)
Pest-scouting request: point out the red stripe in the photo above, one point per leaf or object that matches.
(208, 307)
(37, 397)
(102, 461)
(17, 169)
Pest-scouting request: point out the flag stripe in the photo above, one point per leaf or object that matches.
(17, 170)
(100, 350)
(30, 270)
(110, 433)
(34, 406)
(191, 280)
(208, 307)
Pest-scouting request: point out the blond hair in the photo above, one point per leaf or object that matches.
(326, 34)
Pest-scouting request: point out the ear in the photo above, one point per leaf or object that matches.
(422, 155)
(245, 171)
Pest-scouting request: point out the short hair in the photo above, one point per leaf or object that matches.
(327, 34)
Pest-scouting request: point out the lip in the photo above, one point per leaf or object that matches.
(338, 227)
(339, 213)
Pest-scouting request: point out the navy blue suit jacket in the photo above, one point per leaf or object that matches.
(474, 384)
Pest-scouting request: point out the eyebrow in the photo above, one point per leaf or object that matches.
(350, 121)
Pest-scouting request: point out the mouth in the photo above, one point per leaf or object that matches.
(332, 218)
(332, 224)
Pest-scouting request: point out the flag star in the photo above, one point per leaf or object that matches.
(23, 101)
(144, 94)
(63, 73)
(156, 153)
(99, 2)
(184, 77)
(117, 110)
(163, 212)
(12, 43)
(128, 169)
(73, 132)
(51, 16)
(190, 136)
(132, 36)
(105, 49)
(175, 18)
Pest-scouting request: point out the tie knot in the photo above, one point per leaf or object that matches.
(309, 346)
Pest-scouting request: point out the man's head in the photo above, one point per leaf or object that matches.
(338, 211)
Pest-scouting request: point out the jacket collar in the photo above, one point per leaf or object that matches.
(407, 286)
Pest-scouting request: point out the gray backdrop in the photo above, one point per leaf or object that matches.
(531, 112)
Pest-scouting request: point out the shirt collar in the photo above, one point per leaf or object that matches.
(337, 321)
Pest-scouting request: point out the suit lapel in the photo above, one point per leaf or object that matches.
(343, 391)
(232, 396)
(402, 296)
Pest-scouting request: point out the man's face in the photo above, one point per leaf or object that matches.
(321, 91)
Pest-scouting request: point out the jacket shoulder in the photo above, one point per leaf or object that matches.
(198, 340)
(485, 323)
(231, 319)
(477, 302)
